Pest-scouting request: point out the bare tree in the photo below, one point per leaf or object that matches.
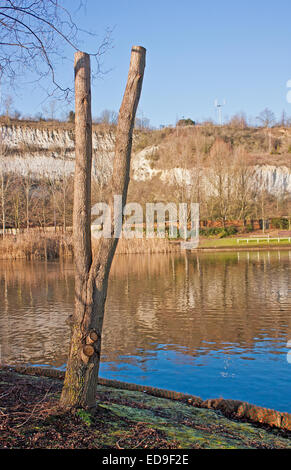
(5, 181)
(53, 184)
(262, 200)
(284, 119)
(220, 177)
(50, 111)
(33, 35)
(267, 119)
(107, 116)
(27, 182)
(64, 180)
(92, 272)
(244, 188)
(17, 203)
(239, 120)
(141, 121)
(7, 103)
(187, 150)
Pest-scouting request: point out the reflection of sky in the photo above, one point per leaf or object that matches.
(254, 378)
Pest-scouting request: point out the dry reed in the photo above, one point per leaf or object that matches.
(42, 245)
(143, 246)
(36, 245)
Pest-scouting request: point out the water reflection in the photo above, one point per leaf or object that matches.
(211, 324)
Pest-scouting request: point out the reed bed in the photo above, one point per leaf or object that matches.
(36, 245)
(144, 246)
(43, 245)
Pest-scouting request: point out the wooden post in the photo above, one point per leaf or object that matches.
(81, 226)
(82, 181)
(91, 275)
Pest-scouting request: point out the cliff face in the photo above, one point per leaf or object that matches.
(50, 152)
(18, 137)
(274, 179)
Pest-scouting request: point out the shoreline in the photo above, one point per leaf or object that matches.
(243, 248)
(48, 246)
(128, 416)
(230, 408)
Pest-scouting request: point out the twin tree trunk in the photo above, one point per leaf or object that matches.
(92, 270)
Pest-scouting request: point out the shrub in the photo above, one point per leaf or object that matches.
(231, 231)
(249, 228)
(280, 223)
(221, 232)
(186, 122)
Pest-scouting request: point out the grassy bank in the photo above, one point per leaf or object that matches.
(232, 243)
(29, 418)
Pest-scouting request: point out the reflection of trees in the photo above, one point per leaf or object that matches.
(191, 303)
(208, 299)
(38, 299)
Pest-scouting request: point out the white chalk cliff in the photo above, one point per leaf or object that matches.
(50, 152)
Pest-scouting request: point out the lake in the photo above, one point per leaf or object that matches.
(211, 324)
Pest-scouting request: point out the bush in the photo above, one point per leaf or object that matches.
(186, 122)
(249, 228)
(221, 232)
(280, 223)
(231, 231)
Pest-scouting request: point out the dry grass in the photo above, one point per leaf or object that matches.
(143, 246)
(42, 245)
(189, 140)
(50, 124)
(181, 146)
(36, 245)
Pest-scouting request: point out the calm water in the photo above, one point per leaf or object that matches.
(211, 325)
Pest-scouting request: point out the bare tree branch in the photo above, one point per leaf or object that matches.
(34, 34)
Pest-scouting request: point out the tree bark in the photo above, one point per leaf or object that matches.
(3, 206)
(92, 272)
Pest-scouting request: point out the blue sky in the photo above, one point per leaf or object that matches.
(197, 51)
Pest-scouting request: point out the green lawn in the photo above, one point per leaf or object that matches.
(232, 243)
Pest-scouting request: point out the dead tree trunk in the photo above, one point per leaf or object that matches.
(92, 272)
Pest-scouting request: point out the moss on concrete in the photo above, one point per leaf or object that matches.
(187, 425)
(124, 419)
